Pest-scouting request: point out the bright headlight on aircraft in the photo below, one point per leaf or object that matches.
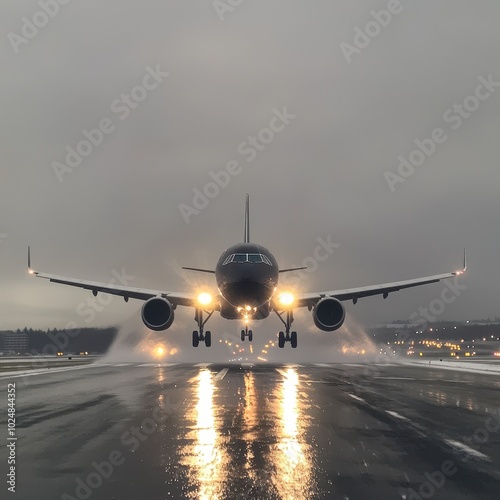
(286, 299)
(159, 351)
(204, 298)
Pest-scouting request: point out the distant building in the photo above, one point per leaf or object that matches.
(15, 343)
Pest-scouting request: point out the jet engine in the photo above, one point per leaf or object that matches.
(329, 314)
(157, 313)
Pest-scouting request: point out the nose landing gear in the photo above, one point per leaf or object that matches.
(246, 333)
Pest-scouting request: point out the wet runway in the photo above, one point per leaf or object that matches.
(147, 431)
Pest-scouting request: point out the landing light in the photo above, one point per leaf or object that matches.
(286, 299)
(204, 298)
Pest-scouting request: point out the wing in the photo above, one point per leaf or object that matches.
(176, 298)
(309, 299)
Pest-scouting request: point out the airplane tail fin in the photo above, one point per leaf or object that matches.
(247, 220)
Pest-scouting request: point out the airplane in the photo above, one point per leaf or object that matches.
(247, 277)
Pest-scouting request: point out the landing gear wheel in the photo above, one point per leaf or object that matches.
(286, 336)
(196, 338)
(198, 335)
(243, 335)
(250, 335)
(281, 340)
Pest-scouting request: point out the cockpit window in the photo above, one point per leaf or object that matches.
(240, 257)
(255, 257)
(266, 260)
(247, 257)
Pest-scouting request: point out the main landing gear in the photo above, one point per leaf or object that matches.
(198, 335)
(246, 333)
(287, 336)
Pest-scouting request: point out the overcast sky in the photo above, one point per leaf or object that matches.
(347, 106)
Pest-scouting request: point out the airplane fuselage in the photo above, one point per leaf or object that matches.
(247, 277)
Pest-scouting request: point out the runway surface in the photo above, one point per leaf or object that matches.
(156, 431)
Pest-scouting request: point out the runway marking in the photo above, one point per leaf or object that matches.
(123, 364)
(293, 365)
(467, 449)
(282, 372)
(397, 415)
(203, 365)
(221, 374)
(323, 365)
(159, 365)
(357, 398)
(394, 378)
(45, 371)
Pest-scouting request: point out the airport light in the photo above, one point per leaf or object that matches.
(286, 299)
(159, 351)
(204, 298)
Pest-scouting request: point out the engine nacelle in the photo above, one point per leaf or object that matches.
(329, 314)
(157, 313)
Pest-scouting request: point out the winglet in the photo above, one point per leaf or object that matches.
(30, 271)
(462, 271)
(247, 220)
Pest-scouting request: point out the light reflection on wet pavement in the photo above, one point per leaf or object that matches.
(263, 432)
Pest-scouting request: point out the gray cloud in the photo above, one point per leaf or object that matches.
(323, 175)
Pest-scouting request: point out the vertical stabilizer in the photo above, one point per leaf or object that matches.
(247, 220)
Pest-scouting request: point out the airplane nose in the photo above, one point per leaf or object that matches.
(243, 272)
